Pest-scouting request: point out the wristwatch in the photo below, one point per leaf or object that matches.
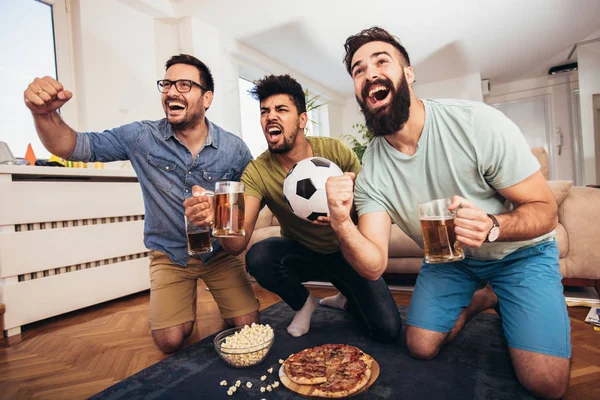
(495, 231)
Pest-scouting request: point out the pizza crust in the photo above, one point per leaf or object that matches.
(345, 393)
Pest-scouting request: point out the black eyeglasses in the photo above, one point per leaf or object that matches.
(182, 85)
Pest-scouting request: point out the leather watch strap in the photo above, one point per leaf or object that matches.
(494, 220)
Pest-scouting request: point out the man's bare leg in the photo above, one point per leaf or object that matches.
(543, 375)
(426, 344)
(171, 339)
(242, 320)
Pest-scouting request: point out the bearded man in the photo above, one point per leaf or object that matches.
(307, 251)
(505, 214)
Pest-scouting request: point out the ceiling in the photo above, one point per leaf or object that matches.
(502, 40)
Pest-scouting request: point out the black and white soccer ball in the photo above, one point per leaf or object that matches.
(304, 187)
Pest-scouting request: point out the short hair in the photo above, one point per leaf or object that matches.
(206, 78)
(279, 84)
(373, 34)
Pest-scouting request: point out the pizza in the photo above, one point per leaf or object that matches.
(336, 370)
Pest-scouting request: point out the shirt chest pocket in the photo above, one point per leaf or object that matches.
(213, 176)
(162, 172)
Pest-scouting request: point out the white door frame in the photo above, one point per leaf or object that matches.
(549, 127)
(577, 138)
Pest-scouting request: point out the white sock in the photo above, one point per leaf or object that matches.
(337, 301)
(301, 322)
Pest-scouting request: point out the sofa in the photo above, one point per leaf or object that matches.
(577, 233)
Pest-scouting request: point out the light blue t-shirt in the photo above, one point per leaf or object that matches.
(468, 149)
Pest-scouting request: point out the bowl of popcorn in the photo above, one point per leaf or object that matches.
(243, 347)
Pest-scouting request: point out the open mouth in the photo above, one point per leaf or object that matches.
(274, 130)
(175, 106)
(378, 95)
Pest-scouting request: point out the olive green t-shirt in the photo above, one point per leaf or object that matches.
(264, 177)
(466, 148)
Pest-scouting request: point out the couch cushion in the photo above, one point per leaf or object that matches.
(265, 218)
(405, 265)
(579, 214)
(563, 240)
(560, 190)
(542, 156)
(403, 246)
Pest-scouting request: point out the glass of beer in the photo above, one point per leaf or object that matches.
(439, 238)
(229, 209)
(198, 238)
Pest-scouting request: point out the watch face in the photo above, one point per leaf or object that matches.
(494, 233)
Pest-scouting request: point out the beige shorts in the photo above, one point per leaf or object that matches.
(173, 289)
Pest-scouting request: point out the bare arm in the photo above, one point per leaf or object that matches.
(365, 247)
(534, 214)
(43, 97)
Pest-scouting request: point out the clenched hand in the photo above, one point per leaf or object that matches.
(45, 95)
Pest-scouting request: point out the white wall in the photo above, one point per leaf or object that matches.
(336, 119)
(465, 88)
(588, 60)
(559, 88)
(120, 50)
(205, 42)
(351, 115)
(116, 65)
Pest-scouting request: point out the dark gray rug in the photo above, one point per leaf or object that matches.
(475, 366)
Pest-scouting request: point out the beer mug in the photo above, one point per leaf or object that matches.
(439, 238)
(229, 209)
(198, 238)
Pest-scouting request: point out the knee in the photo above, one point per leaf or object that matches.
(388, 331)
(256, 257)
(546, 386)
(169, 340)
(419, 347)
(168, 344)
(263, 258)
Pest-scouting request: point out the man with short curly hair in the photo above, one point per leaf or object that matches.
(306, 251)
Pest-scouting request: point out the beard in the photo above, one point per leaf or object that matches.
(391, 118)
(189, 120)
(288, 143)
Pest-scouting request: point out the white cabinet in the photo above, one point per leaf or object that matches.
(69, 238)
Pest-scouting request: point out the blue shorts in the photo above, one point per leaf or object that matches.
(530, 296)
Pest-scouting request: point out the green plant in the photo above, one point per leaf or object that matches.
(359, 146)
(312, 103)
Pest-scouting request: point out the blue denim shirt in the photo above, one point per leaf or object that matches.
(167, 172)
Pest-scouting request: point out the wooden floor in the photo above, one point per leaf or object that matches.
(79, 354)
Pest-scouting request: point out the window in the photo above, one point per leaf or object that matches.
(318, 120)
(251, 130)
(29, 45)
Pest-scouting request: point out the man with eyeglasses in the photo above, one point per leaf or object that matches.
(169, 156)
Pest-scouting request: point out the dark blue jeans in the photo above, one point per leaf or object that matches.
(281, 265)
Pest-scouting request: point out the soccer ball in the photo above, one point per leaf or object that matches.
(304, 187)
